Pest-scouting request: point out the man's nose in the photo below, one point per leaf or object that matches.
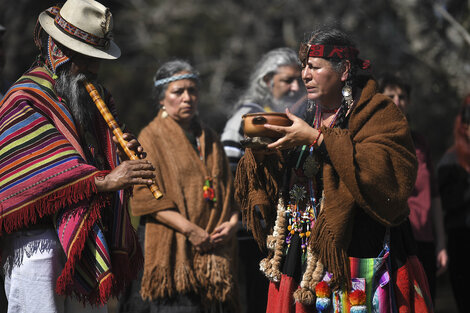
(294, 86)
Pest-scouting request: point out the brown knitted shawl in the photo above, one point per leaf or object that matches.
(373, 168)
(171, 264)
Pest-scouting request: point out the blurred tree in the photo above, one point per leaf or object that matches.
(426, 39)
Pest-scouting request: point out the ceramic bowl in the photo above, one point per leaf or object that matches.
(253, 124)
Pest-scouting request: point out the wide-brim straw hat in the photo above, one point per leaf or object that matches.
(84, 26)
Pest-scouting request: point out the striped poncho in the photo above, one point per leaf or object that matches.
(44, 172)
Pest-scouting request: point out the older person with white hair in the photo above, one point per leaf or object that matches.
(274, 84)
(65, 234)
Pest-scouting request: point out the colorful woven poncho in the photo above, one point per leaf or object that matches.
(44, 172)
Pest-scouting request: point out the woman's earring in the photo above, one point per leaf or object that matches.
(164, 112)
(347, 94)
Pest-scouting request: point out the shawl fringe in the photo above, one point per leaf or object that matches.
(261, 184)
(333, 257)
(113, 283)
(214, 274)
(65, 281)
(50, 204)
(212, 279)
(160, 284)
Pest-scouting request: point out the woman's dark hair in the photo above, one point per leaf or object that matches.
(328, 35)
(332, 36)
(461, 140)
(167, 70)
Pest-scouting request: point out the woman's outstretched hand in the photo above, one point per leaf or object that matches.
(299, 133)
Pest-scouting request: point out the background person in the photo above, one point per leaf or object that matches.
(190, 244)
(343, 179)
(454, 187)
(66, 237)
(274, 85)
(426, 218)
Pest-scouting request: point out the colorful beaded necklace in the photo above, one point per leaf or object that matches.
(302, 221)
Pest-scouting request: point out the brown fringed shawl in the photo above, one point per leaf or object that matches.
(373, 167)
(171, 265)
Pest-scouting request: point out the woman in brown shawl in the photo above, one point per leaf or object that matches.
(189, 233)
(340, 179)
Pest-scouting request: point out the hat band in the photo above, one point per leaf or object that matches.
(76, 32)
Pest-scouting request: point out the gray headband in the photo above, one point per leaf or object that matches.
(170, 79)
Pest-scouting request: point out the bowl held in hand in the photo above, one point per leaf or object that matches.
(253, 124)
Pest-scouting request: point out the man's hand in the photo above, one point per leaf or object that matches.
(132, 144)
(127, 174)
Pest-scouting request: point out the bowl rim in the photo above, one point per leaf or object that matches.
(265, 113)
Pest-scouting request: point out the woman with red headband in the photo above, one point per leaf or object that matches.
(333, 191)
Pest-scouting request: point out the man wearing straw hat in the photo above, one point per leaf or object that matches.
(65, 234)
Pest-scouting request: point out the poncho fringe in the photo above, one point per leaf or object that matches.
(44, 173)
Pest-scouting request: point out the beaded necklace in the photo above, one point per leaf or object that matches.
(302, 221)
(207, 189)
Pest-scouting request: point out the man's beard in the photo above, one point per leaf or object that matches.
(71, 88)
(287, 101)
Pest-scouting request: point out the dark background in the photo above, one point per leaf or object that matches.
(425, 40)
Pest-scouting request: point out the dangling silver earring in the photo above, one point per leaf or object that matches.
(164, 112)
(347, 94)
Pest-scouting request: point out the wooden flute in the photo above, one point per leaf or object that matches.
(113, 125)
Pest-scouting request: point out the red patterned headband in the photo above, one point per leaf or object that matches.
(74, 31)
(327, 51)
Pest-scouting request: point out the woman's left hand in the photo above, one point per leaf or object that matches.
(223, 232)
(132, 144)
(299, 133)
